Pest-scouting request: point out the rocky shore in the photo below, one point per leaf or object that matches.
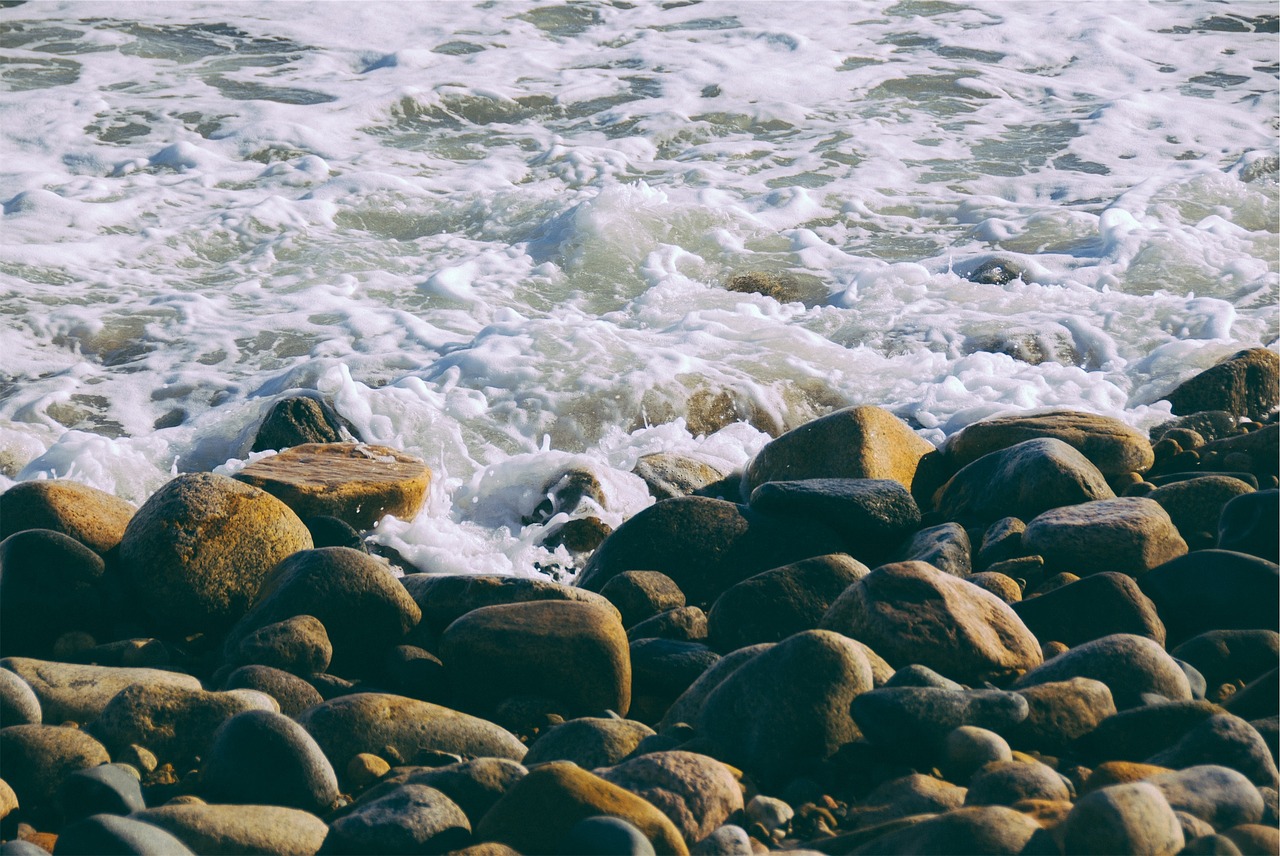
(1053, 635)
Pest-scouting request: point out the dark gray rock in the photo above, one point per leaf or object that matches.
(1231, 656)
(417, 673)
(328, 531)
(50, 584)
(111, 835)
(1246, 384)
(1251, 524)
(1258, 699)
(1195, 505)
(973, 829)
(1008, 782)
(642, 594)
(689, 703)
(945, 546)
(1223, 740)
(38, 757)
(1001, 541)
(1129, 665)
(293, 694)
(605, 836)
(872, 515)
(683, 624)
(915, 794)
(410, 819)
(665, 668)
(18, 702)
(105, 789)
(1091, 608)
(1140, 732)
(916, 675)
(260, 757)
(1214, 590)
(297, 420)
(299, 645)
(915, 721)
(589, 742)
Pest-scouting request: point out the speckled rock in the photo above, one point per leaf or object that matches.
(200, 548)
(973, 829)
(18, 702)
(1214, 590)
(50, 584)
(667, 474)
(1220, 796)
(38, 757)
(589, 742)
(1244, 384)
(1128, 535)
(1130, 818)
(1059, 712)
(265, 757)
(291, 692)
(407, 819)
(1195, 505)
(223, 830)
(474, 785)
(728, 840)
(299, 644)
(1114, 447)
(1091, 608)
(93, 517)
(444, 598)
(108, 833)
(1009, 782)
(641, 594)
(697, 793)
(910, 612)
(1129, 665)
(872, 515)
(1224, 740)
(76, 693)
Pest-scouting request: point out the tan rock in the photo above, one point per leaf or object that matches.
(38, 757)
(355, 482)
(1112, 446)
(1128, 535)
(222, 830)
(696, 792)
(93, 517)
(77, 693)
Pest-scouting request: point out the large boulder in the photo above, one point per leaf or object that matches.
(862, 442)
(1088, 609)
(93, 517)
(873, 515)
(78, 693)
(910, 612)
(50, 584)
(223, 830)
(1129, 665)
(1246, 384)
(1112, 446)
(1214, 590)
(361, 604)
(570, 653)
(200, 548)
(705, 545)
(1128, 535)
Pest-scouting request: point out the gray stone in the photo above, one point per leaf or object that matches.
(292, 693)
(665, 668)
(1128, 535)
(1220, 796)
(728, 840)
(264, 757)
(107, 833)
(224, 830)
(1195, 505)
(695, 792)
(589, 742)
(1091, 608)
(684, 624)
(916, 675)
(945, 547)
(969, 748)
(1251, 524)
(105, 789)
(667, 474)
(641, 594)
(1140, 732)
(444, 598)
(1259, 699)
(18, 702)
(872, 515)
(1001, 542)
(409, 819)
(1244, 385)
(686, 707)
(38, 757)
(474, 785)
(915, 794)
(1231, 656)
(1009, 782)
(1223, 740)
(1128, 818)
(1129, 665)
(604, 836)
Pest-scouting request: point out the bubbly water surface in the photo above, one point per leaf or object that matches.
(498, 235)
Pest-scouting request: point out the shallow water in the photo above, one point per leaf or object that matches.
(498, 235)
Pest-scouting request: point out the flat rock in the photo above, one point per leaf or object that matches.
(296, 420)
(1223, 740)
(1060, 712)
(538, 811)
(1250, 523)
(788, 705)
(862, 442)
(946, 546)
(108, 833)
(363, 607)
(910, 612)
(50, 584)
(474, 785)
(1195, 505)
(1129, 665)
(572, 653)
(589, 742)
(697, 793)
(225, 830)
(77, 693)
(705, 545)
(1220, 796)
(200, 548)
(291, 692)
(1114, 447)
(406, 728)
(263, 757)
(1129, 818)
(1244, 384)
(298, 644)
(780, 602)
(354, 482)
(1128, 535)
(18, 702)
(408, 819)
(1023, 480)
(1091, 608)
(1214, 590)
(667, 474)
(38, 757)
(638, 595)
(91, 516)
(973, 829)
(872, 515)
(444, 598)
(1231, 656)
(915, 721)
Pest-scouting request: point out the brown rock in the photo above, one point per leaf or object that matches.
(38, 757)
(444, 598)
(1129, 535)
(1119, 773)
(1059, 712)
(1112, 446)
(1247, 384)
(1195, 505)
(93, 517)
(696, 792)
(1004, 587)
(355, 482)
(667, 474)
(223, 830)
(76, 693)
(642, 594)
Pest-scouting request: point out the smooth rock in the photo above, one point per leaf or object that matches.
(915, 721)
(1060, 712)
(915, 794)
(968, 748)
(299, 419)
(1195, 505)
(1250, 523)
(91, 516)
(50, 584)
(604, 836)
(1129, 665)
(408, 819)
(474, 785)
(770, 813)
(1112, 446)
(910, 612)
(1130, 818)
(916, 675)
(572, 653)
(666, 474)
(363, 607)
(872, 515)
(299, 644)
(1128, 535)
(1140, 732)
(354, 482)
(1004, 587)
(728, 840)
(1223, 740)
(1093, 607)
(589, 742)
(642, 594)
(226, 830)
(1244, 384)
(1209, 845)
(973, 829)
(18, 702)
(105, 789)
(688, 704)
(291, 692)
(38, 757)
(780, 602)
(107, 833)
(683, 623)
(416, 673)
(1258, 699)
(697, 793)
(1255, 839)
(1009, 782)
(266, 758)
(1001, 542)
(1214, 590)
(200, 548)
(945, 547)
(331, 532)
(76, 693)
(444, 598)
(662, 669)
(1220, 796)
(1118, 773)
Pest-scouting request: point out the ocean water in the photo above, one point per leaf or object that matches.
(498, 235)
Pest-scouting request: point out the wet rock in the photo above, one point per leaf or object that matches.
(788, 705)
(107, 833)
(329, 531)
(1060, 712)
(945, 547)
(1128, 535)
(226, 829)
(291, 692)
(1138, 733)
(579, 535)
(1250, 523)
(698, 794)
(264, 757)
(354, 482)
(1112, 446)
(872, 515)
(642, 594)
(973, 829)
(604, 836)
(298, 644)
(1195, 505)
(904, 797)
(705, 545)
(68, 691)
(684, 624)
(50, 584)
(1219, 796)
(1130, 818)
(915, 721)
(18, 702)
(686, 707)
(1244, 385)
(105, 789)
(1209, 424)
(863, 442)
(570, 652)
(408, 819)
(1256, 452)
(297, 420)
(38, 757)
(363, 607)
(1129, 665)
(1223, 740)
(780, 602)
(589, 742)
(1214, 590)
(1009, 782)
(1091, 608)
(910, 612)
(996, 271)
(967, 749)
(93, 517)
(200, 548)
(667, 474)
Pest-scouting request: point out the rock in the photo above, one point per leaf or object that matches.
(914, 721)
(331, 532)
(642, 594)
(872, 515)
(589, 742)
(200, 548)
(967, 749)
(297, 420)
(698, 794)
(291, 692)
(1218, 845)
(945, 547)
(71, 692)
(93, 517)
(572, 653)
(1256, 452)
(1009, 782)
(1243, 385)
(1091, 608)
(1214, 590)
(1001, 541)
(1128, 535)
(1130, 818)
(1110, 445)
(299, 644)
(223, 830)
(578, 535)
(365, 769)
(38, 757)
(1254, 839)
(107, 833)
(416, 673)
(1250, 523)
(444, 598)
(1195, 505)
(362, 606)
(973, 829)
(1223, 740)
(780, 602)
(910, 612)
(1258, 699)
(105, 789)
(667, 474)
(604, 836)
(8, 800)
(787, 706)
(683, 623)
(175, 723)
(1209, 424)
(1060, 712)
(354, 482)
(1003, 587)
(1118, 773)
(728, 840)
(262, 757)
(686, 707)
(1231, 656)
(771, 813)
(1138, 733)
(18, 702)
(1129, 665)
(662, 669)
(1023, 480)
(473, 785)
(538, 811)
(408, 819)
(705, 545)
(904, 797)
(916, 675)
(863, 442)
(1219, 796)
(403, 730)
(50, 584)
